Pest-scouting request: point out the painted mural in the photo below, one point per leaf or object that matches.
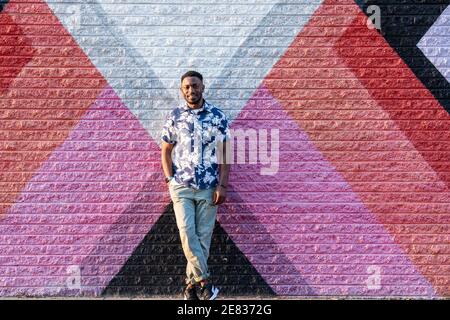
(354, 200)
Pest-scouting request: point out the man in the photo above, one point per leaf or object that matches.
(192, 146)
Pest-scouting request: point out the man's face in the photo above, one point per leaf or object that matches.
(192, 89)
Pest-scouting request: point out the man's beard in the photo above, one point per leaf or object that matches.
(197, 99)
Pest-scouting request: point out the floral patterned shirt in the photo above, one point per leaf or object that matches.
(195, 134)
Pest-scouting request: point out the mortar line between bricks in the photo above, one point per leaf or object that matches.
(190, 15)
(244, 181)
(25, 192)
(248, 120)
(247, 203)
(323, 275)
(278, 285)
(85, 78)
(82, 141)
(250, 224)
(310, 265)
(272, 26)
(257, 254)
(318, 131)
(81, 67)
(46, 204)
(119, 56)
(254, 172)
(209, 46)
(150, 3)
(300, 234)
(262, 233)
(254, 152)
(134, 181)
(349, 264)
(305, 101)
(242, 88)
(309, 161)
(228, 224)
(319, 192)
(240, 224)
(263, 47)
(168, 36)
(310, 234)
(253, 244)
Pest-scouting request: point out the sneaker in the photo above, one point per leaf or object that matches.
(209, 292)
(190, 293)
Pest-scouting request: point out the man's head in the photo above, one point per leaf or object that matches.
(192, 87)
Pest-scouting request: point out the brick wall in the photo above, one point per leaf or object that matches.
(359, 204)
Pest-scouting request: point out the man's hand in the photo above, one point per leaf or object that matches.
(219, 195)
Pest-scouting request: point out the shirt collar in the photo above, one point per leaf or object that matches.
(205, 106)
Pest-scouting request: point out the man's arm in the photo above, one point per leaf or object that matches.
(166, 158)
(224, 170)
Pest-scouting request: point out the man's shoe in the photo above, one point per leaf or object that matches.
(190, 293)
(209, 292)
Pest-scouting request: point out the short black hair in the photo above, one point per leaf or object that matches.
(192, 73)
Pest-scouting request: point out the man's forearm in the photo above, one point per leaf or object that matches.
(166, 160)
(224, 170)
(224, 166)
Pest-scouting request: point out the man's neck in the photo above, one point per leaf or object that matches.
(196, 106)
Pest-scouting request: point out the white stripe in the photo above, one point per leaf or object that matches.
(142, 49)
(435, 44)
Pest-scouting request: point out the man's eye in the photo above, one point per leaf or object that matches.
(194, 86)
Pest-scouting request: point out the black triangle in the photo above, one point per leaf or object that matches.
(157, 265)
(2, 4)
(403, 24)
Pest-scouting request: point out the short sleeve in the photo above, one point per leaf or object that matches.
(168, 133)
